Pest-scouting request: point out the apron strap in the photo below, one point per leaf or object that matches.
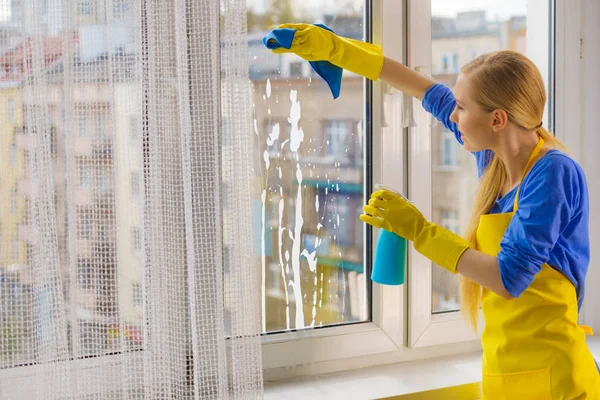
(536, 151)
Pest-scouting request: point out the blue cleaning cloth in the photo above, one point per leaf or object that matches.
(332, 74)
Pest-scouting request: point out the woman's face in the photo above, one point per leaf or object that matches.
(474, 123)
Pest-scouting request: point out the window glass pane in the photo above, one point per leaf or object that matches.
(461, 31)
(90, 102)
(309, 168)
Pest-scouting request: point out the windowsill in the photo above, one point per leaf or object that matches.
(389, 380)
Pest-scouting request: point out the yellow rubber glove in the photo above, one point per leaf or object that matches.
(392, 212)
(313, 43)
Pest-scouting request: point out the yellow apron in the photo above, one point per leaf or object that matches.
(533, 347)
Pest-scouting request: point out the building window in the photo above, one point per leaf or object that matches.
(53, 141)
(83, 125)
(473, 53)
(12, 154)
(15, 250)
(101, 125)
(449, 63)
(138, 294)
(85, 274)
(135, 183)
(85, 7)
(14, 202)
(449, 148)
(337, 140)
(85, 224)
(339, 218)
(278, 133)
(85, 176)
(226, 260)
(272, 215)
(450, 220)
(134, 127)
(10, 109)
(136, 237)
(273, 279)
(296, 69)
(103, 181)
(120, 7)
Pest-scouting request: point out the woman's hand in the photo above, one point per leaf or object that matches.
(316, 43)
(393, 213)
(311, 42)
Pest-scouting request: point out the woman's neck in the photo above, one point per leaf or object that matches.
(514, 151)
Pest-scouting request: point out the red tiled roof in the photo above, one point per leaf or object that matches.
(17, 62)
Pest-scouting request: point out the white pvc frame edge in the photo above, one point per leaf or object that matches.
(590, 159)
(385, 333)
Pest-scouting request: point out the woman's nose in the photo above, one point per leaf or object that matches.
(453, 116)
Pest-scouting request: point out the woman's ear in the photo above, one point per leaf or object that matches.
(500, 120)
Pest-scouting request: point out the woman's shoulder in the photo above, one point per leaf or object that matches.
(556, 171)
(558, 160)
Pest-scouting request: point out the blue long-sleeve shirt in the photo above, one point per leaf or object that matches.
(551, 222)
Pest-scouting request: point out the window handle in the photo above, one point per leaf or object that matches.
(408, 117)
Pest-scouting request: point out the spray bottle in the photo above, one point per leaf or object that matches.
(389, 267)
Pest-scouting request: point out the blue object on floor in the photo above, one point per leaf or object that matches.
(332, 74)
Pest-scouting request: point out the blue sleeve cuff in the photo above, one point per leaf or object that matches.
(514, 277)
(431, 99)
(439, 102)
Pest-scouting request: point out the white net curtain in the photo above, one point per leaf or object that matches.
(125, 190)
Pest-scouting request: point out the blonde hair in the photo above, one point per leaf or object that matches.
(509, 81)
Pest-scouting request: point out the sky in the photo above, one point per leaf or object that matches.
(447, 8)
(495, 9)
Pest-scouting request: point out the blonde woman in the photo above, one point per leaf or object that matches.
(526, 252)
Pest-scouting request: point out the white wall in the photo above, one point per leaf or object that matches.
(577, 105)
(590, 156)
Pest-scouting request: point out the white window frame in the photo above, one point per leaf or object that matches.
(414, 331)
(425, 328)
(384, 339)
